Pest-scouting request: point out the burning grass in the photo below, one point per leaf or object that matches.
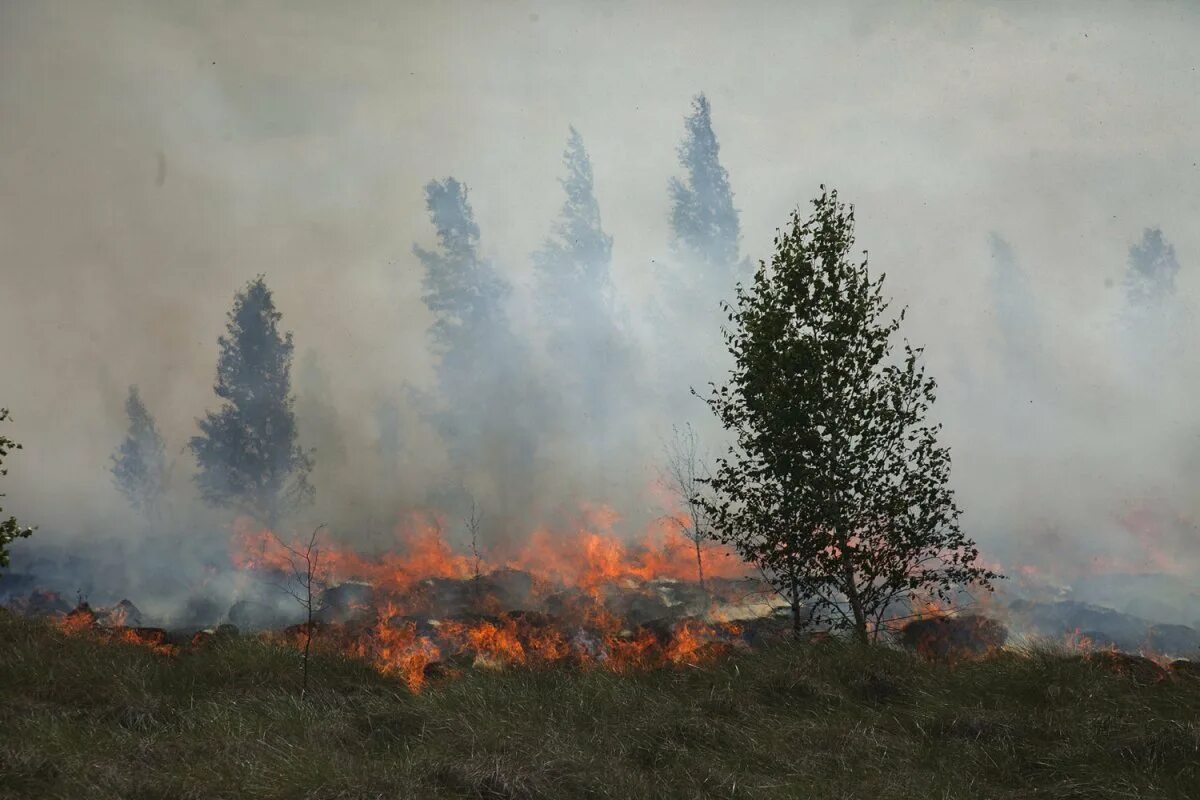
(588, 556)
(587, 598)
(81, 717)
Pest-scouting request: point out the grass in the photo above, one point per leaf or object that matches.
(80, 719)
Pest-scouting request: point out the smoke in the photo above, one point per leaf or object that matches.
(155, 157)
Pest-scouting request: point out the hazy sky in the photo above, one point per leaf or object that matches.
(155, 156)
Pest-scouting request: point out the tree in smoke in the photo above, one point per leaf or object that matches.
(704, 221)
(684, 475)
(321, 431)
(1013, 301)
(139, 465)
(1022, 341)
(316, 412)
(464, 292)
(705, 239)
(1150, 277)
(247, 452)
(1153, 314)
(574, 262)
(836, 488)
(10, 529)
(486, 411)
(575, 293)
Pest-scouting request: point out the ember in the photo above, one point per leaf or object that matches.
(106, 625)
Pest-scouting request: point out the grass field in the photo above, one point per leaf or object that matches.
(81, 719)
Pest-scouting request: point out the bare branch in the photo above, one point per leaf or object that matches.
(305, 589)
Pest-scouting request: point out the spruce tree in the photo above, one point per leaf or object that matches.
(704, 266)
(704, 222)
(1150, 277)
(1016, 311)
(575, 296)
(573, 265)
(464, 291)
(1154, 316)
(486, 408)
(836, 487)
(139, 465)
(247, 450)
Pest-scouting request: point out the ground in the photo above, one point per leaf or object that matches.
(82, 719)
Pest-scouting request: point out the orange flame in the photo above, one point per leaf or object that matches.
(587, 559)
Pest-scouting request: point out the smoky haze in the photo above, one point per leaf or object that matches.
(1002, 159)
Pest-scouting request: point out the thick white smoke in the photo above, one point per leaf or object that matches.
(154, 157)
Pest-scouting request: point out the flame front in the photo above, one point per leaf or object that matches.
(579, 573)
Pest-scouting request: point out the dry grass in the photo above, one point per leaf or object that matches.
(83, 720)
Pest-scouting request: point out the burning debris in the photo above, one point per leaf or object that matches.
(416, 649)
(124, 614)
(510, 618)
(40, 603)
(588, 599)
(422, 612)
(110, 624)
(953, 638)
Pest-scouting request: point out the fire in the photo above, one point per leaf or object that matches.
(398, 650)
(83, 621)
(495, 643)
(154, 639)
(593, 555)
(405, 631)
(119, 617)
(695, 643)
(423, 553)
(1078, 642)
(581, 595)
(587, 557)
(409, 650)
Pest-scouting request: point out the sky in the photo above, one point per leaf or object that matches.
(155, 156)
